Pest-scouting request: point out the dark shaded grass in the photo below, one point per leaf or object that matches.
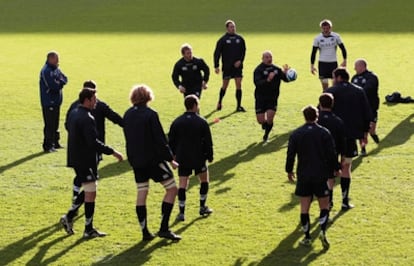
(103, 16)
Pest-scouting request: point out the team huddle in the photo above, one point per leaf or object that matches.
(324, 146)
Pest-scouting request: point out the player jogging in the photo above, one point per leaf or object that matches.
(267, 78)
(190, 74)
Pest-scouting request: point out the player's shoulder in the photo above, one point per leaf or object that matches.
(318, 36)
(180, 62)
(335, 34)
(303, 129)
(260, 66)
(83, 115)
(101, 104)
(333, 89)
(198, 60)
(224, 37)
(372, 74)
(276, 67)
(202, 119)
(178, 119)
(239, 36)
(356, 87)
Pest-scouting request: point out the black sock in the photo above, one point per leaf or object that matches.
(181, 199)
(268, 128)
(142, 217)
(89, 211)
(75, 191)
(77, 203)
(203, 193)
(239, 97)
(76, 186)
(323, 219)
(221, 95)
(305, 221)
(345, 184)
(166, 209)
(264, 125)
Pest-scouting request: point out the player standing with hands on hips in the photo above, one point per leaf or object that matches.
(232, 50)
(326, 42)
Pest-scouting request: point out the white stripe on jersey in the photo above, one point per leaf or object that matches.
(327, 46)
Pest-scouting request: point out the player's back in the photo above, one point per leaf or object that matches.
(351, 106)
(188, 136)
(145, 140)
(310, 143)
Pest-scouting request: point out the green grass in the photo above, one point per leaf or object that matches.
(256, 215)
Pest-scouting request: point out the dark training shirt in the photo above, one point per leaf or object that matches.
(190, 140)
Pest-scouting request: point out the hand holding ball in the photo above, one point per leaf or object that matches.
(291, 74)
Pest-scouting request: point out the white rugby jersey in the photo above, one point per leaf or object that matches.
(327, 46)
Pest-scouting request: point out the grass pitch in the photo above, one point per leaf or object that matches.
(256, 218)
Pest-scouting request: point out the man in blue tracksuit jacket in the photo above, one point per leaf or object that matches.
(51, 84)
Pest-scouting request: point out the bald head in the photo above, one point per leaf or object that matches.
(267, 57)
(360, 66)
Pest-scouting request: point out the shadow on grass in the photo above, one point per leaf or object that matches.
(294, 200)
(114, 169)
(38, 258)
(17, 249)
(20, 161)
(219, 117)
(220, 170)
(399, 135)
(290, 252)
(139, 254)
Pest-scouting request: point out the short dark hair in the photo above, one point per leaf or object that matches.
(86, 93)
(341, 72)
(325, 22)
(310, 113)
(229, 21)
(185, 47)
(326, 100)
(190, 101)
(51, 54)
(89, 84)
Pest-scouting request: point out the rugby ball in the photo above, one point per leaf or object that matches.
(291, 74)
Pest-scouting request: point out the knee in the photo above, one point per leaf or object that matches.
(173, 191)
(260, 120)
(170, 187)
